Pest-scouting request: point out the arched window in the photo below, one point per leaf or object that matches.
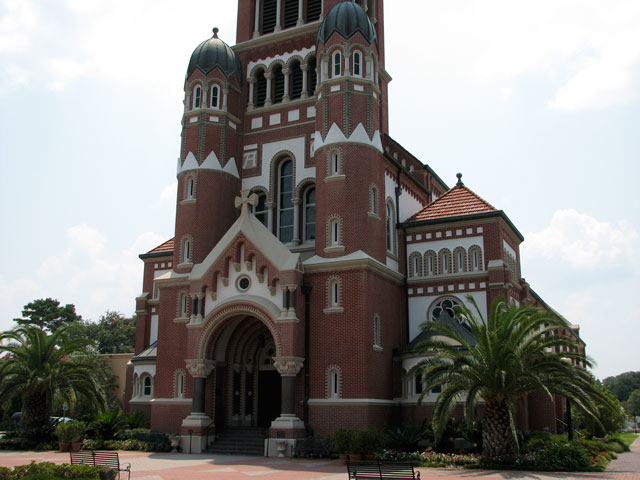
(459, 260)
(444, 259)
(337, 64)
(357, 64)
(312, 76)
(285, 203)
(260, 210)
(180, 384)
(290, 13)
(443, 305)
(296, 80)
(475, 259)
(333, 382)
(187, 250)
(334, 163)
(415, 265)
(261, 88)
(147, 386)
(278, 84)
(184, 305)
(377, 336)
(190, 188)
(335, 232)
(373, 199)
(197, 96)
(391, 225)
(314, 8)
(215, 96)
(430, 263)
(269, 15)
(309, 215)
(335, 288)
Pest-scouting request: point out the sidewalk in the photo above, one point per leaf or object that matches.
(177, 466)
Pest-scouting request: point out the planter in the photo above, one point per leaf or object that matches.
(75, 446)
(355, 457)
(175, 442)
(64, 447)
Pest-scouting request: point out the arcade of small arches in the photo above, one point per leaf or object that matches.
(445, 262)
(201, 94)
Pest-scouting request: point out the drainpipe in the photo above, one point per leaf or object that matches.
(306, 291)
(404, 231)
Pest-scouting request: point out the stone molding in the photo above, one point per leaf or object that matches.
(199, 368)
(288, 366)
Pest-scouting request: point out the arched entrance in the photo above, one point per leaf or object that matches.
(247, 389)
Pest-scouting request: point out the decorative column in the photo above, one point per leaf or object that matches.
(197, 426)
(300, 19)
(305, 76)
(347, 63)
(287, 427)
(267, 100)
(270, 207)
(296, 222)
(225, 98)
(252, 86)
(287, 74)
(278, 27)
(256, 29)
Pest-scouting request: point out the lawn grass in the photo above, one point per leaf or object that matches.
(628, 438)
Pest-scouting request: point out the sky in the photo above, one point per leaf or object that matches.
(536, 103)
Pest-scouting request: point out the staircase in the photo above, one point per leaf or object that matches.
(240, 441)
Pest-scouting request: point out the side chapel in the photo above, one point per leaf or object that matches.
(309, 245)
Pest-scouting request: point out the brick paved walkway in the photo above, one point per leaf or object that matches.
(178, 466)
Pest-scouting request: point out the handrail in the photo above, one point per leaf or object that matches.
(206, 429)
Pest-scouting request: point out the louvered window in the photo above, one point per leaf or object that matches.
(269, 12)
(314, 7)
(296, 81)
(261, 89)
(290, 13)
(278, 84)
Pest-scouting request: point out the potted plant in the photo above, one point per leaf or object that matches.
(343, 441)
(371, 441)
(70, 435)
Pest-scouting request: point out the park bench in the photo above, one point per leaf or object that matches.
(381, 471)
(100, 459)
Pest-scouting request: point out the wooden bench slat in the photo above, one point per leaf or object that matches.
(99, 458)
(381, 471)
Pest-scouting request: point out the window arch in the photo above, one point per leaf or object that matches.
(430, 263)
(180, 384)
(357, 63)
(309, 221)
(475, 259)
(260, 209)
(415, 265)
(261, 88)
(336, 64)
(296, 77)
(334, 382)
(334, 231)
(190, 187)
(444, 261)
(215, 96)
(443, 305)
(373, 199)
(197, 97)
(391, 227)
(334, 293)
(277, 84)
(377, 335)
(285, 201)
(459, 260)
(334, 166)
(187, 250)
(147, 386)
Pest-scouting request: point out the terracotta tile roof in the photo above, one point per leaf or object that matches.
(456, 202)
(166, 247)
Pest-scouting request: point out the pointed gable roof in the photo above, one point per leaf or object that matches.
(456, 202)
(162, 250)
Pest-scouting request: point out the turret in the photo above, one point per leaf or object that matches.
(208, 167)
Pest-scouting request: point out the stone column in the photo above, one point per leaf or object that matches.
(300, 19)
(194, 427)
(267, 100)
(278, 26)
(287, 427)
(256, 29)
(305, 77)
(296, 222)
(270, 207)
(287, 75)
(225, 98)
(252, 86)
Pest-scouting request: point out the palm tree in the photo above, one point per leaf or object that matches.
(512, 354)
(40, 366)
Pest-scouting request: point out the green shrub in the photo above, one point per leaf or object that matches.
(68, 432)
(619, 440)
(5, 473)
(613, 447)
(559, 457)
(370, 441)
(408, 436)
(312, 447)
(344, 439)
(536, 442)
(47, 470)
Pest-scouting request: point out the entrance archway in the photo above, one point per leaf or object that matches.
(247, 385)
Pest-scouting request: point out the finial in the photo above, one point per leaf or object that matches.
(245, 199)
(215, 32)
(459, 184)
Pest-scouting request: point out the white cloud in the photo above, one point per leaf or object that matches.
(581, 241)
(16, 25)
(87, 273)
(167, 195)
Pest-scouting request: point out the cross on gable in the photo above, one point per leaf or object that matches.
(245, 199)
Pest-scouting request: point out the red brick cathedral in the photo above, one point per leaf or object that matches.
(309, 245)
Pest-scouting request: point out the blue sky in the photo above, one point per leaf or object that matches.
(536, 103)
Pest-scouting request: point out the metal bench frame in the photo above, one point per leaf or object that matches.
(98, 458)
(381, 471)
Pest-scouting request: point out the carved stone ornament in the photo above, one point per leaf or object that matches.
(199, 368)
(288, 366)
(245, 199)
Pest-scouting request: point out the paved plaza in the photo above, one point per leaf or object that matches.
(179, 466)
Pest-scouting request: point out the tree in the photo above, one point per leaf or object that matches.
(113, 333)
(40, 365)
(632, 405)
(512, 354)
(47, 314)
(622, 385)
(610, 416)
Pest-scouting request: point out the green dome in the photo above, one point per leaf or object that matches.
(214, 53)
(347, 18)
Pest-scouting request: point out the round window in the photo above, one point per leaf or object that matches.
(243, 283)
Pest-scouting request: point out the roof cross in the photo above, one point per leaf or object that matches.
(245, 199)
